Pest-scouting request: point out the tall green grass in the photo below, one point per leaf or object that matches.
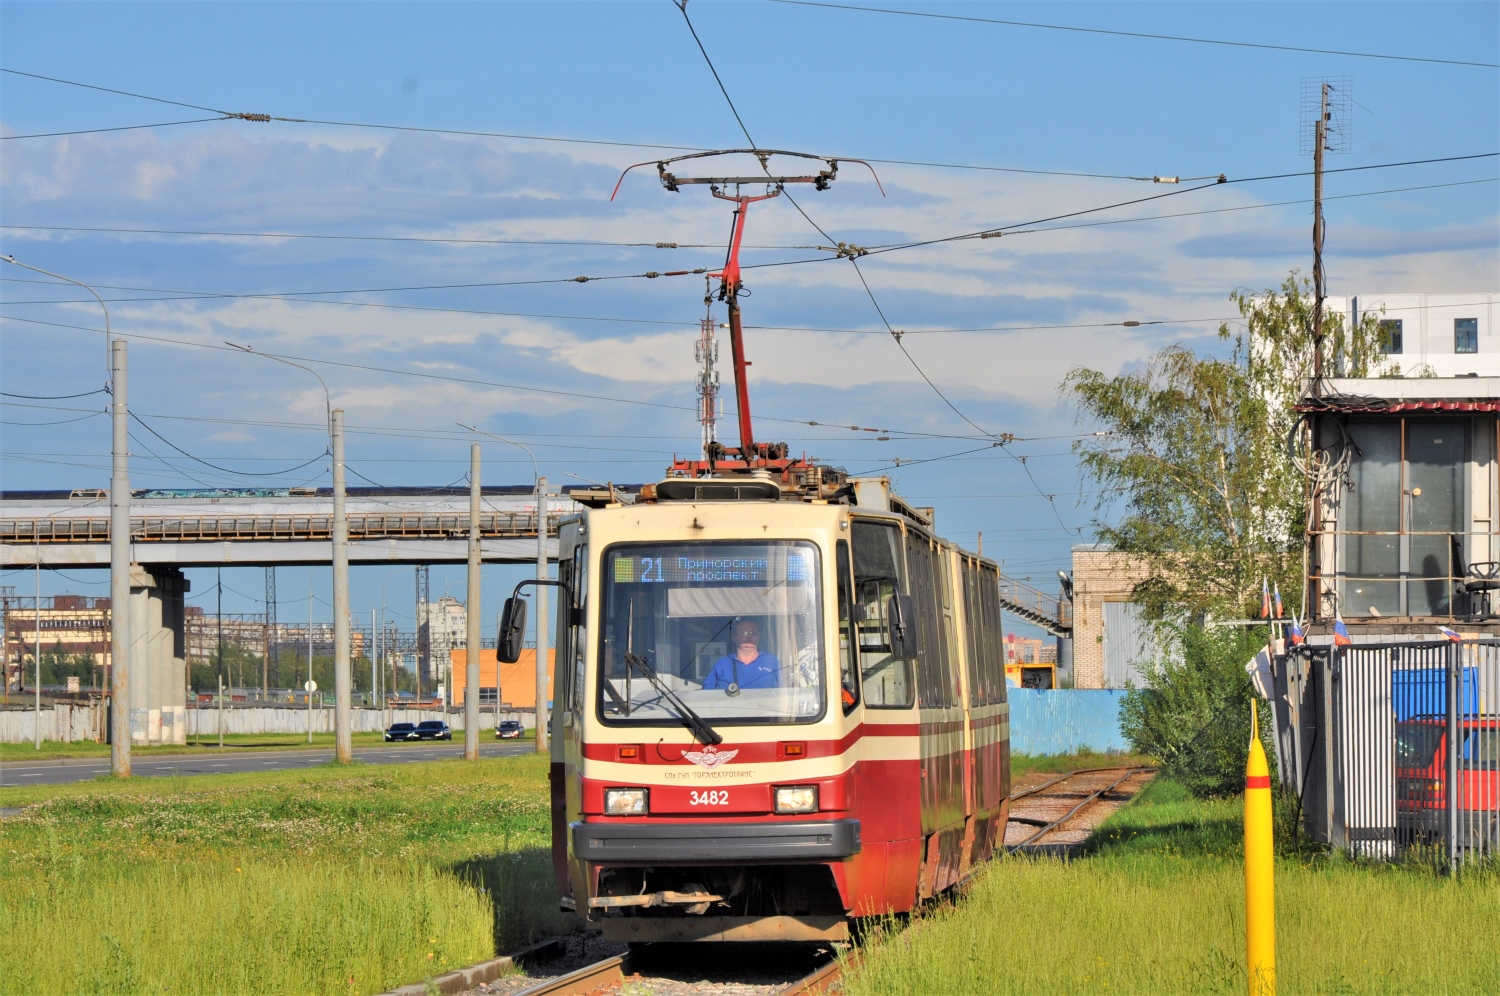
(319, 881)
(1158, 907)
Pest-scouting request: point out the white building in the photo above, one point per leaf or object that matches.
(447, 623)
(1443, 335)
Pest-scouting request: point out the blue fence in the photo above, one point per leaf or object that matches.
(1064, 720)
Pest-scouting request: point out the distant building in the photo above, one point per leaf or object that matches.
(447, 624)
(511, 686)
(70, 624)
(1442, 335)
(1111, 637)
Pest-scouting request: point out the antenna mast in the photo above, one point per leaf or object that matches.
(706, 353)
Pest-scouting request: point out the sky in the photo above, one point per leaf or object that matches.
(597, 378)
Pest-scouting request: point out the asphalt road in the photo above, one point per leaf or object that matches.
(216, 763)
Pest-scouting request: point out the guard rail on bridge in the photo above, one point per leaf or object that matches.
(216, 528)
(1052, 613)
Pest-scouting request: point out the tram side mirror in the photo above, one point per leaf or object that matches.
(903, 616)
(512, 630)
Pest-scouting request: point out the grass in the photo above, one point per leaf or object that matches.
(1023, 764)
(327, 880)
(1157, 907)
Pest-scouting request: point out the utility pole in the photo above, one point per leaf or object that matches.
(1320, 141)
(308, 684)
(37, 647)
(119, 569)
(374, 657)
(423, 616)
(471, 655)
(343, 744)
(119, 539)
(269, 670)
(541, 616)
(219, 618)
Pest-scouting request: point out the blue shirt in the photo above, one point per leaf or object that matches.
(763, 672)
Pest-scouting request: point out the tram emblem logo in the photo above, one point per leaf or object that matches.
(710, 756)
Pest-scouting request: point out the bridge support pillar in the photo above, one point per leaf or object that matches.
(158, 656)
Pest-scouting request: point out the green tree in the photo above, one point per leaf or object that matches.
(1196, 447)
(1195, 717)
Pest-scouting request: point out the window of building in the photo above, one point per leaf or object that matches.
(1466, 335)
(489, 696)
(1390, 335)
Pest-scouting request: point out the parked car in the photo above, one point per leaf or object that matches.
(508, 729)
(432, 729)
(1422, 775)
(402, 731)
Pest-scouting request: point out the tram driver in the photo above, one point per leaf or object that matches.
(748, 666)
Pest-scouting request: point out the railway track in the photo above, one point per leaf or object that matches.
(1056, 816)
(1043, 818)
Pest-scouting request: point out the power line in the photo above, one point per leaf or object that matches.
(96, 131)
(224, 470)
(1138, 34)
(388, 238)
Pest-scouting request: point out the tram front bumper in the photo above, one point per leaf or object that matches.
(680, 843)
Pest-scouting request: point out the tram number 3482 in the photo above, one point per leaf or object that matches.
(709, 797)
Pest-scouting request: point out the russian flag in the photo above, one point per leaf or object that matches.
(1450, 634)
(1340, 631)
(1279, 611)
(1294, 633)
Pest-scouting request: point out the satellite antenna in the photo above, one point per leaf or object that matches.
(750, 455)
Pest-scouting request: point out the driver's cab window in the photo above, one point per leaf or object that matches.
(887, 682)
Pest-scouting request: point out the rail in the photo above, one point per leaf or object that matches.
(1045, 828)
(1052, 613)
(272, 528)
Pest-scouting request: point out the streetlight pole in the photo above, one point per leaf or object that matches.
(471, 655)
(342, 684)
(343, 749)
(541, 591)
(119, 540)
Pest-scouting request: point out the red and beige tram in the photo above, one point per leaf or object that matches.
(779, 705)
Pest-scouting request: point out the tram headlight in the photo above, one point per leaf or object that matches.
(796, 798)
(625, 802)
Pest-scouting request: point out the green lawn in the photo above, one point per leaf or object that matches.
(1158, 907)
(322, 881)
(1023, 764)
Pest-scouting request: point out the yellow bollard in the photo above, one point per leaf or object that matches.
(1260, 869)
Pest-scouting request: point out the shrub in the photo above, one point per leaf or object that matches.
(1195, 717)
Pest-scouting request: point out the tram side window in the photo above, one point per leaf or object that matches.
(974, 634)
(848, 638)
(989, 589)
(934, 683)
(578, 576)
(887, 682)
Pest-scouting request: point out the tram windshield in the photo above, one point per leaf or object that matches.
(733, 629)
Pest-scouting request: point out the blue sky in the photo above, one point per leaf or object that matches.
(826, 81)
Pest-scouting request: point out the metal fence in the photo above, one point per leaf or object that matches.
(1394, 748)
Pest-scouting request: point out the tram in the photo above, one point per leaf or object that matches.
(779, 699)
(778, 705)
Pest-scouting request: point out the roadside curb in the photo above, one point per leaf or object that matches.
(462, 979)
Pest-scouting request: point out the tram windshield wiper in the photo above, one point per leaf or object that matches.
(704, 732)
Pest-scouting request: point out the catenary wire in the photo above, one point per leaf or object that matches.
(514, 136)
(225, 470)
(96, 131)
(54, 397)
(1152, 36)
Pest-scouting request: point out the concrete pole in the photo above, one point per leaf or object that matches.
(37, 648)
(119, 571)
(541, 616)
(374, 658)
(471, 654)
(307, 685)
(342, 693)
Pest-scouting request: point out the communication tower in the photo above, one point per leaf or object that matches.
(706, 353)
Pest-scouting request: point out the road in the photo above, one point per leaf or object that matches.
(217, 763)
